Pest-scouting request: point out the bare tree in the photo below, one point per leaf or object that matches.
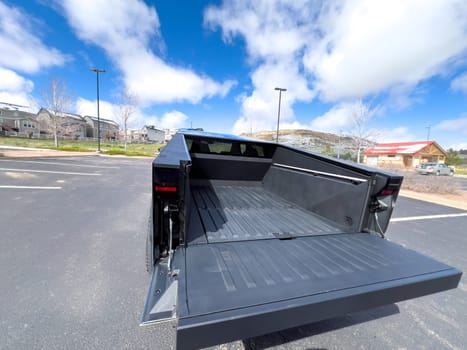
(127, 108)
(361, 135)
(57, 100)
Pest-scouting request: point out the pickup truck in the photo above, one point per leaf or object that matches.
(248, 237)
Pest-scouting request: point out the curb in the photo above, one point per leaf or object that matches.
(47, 153)
(43, 153)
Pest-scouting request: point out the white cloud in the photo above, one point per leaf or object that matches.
(451, 133)
(107, 110)
(259, 110)
(458, 146)
(11, 81)
(398, 134)
(126, 33)
(338, 118)
(460, 83)
(273, 39)
(172, 120)
(15, 88)
(18, 98)
(457, 125)
(339, 50)
(21, 48)
(271, 28)
(370, 46)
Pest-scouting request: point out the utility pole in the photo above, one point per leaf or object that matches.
(97, 71)
(279, 111)
(339, 148)
(428, 132)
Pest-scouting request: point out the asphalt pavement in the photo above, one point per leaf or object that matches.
(463, 182)
(72, 267)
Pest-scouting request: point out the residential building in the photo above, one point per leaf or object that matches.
(69, 125)
(147, 133)
(16, 120)
(135, 135)
(404, 154)
(151, 134)
(109, 129)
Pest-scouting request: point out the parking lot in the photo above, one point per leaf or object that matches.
(73, 276)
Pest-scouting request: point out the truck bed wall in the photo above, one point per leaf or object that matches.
(231, 168)
(338, 199)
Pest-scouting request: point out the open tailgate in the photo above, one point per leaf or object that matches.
(221, 292)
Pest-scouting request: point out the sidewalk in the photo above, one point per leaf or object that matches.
(25, 152)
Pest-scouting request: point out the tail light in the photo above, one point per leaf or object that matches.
(170, 189)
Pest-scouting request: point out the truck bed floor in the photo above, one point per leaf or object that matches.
(235, 213)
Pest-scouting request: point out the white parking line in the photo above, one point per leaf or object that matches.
(33, 187)
(58, 163)
(427, 217)
(49, 172)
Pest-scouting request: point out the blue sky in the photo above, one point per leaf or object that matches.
(215, 64)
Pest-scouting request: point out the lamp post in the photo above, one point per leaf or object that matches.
(279, 111)
(428, 132)
(97, 71)
(339, 147)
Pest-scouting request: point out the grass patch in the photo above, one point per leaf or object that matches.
(134, 149)
(461, 171)
(127, 153)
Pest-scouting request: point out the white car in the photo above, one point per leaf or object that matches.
(435, 169)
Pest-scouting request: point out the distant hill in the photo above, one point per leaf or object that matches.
(320, 142)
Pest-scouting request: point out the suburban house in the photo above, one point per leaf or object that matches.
(132, 135)
(16, 120)
(404, 154)
(108, 128)
(151, 134)
(69, 125)
(147, 133)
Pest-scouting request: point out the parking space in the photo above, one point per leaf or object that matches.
(45, 173)
(73, 276)
(408, 207)
(72, 259)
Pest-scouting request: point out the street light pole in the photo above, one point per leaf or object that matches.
(279, 111)
(339, 147)
(428, 133)
(97, 71)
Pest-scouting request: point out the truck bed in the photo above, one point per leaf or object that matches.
(229, 211)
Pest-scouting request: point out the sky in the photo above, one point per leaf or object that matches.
(215, 64)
